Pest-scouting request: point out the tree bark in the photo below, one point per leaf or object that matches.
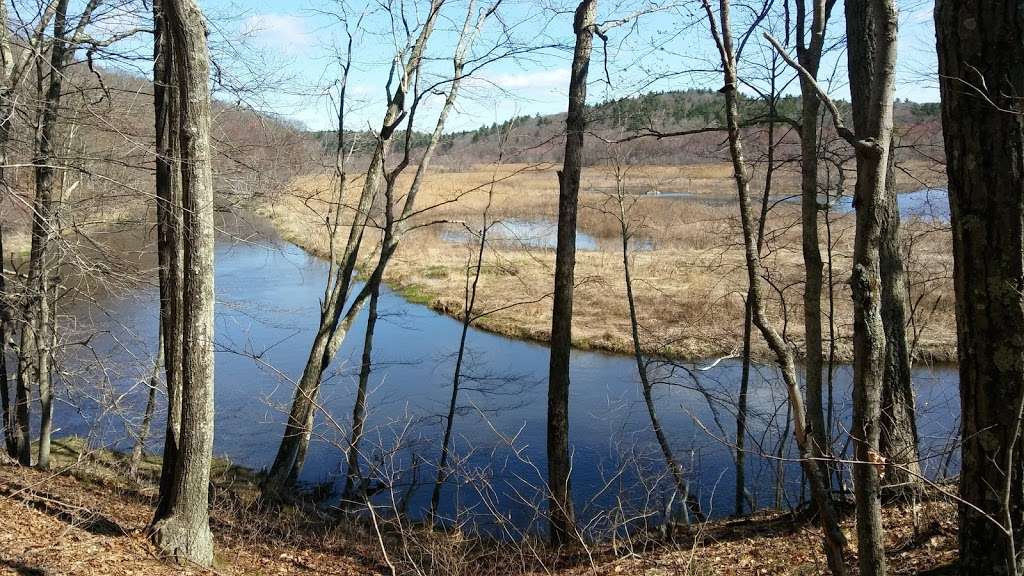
(7, 65)
(14, 66)
(453, 402)
(169, 245)
(981, 73)
(898, 442)
(748, 325)
(871, 36)
(7, 412)
(561, 514)
(809, 52)
(185, 532)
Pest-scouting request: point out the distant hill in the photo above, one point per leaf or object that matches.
(540, 137)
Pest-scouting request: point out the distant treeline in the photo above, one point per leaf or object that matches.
(538, 137)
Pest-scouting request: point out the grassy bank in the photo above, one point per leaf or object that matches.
(689, 279)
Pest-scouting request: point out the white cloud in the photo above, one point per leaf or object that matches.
(540, 81)
(280, 31)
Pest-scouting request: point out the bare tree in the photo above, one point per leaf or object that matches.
(871, 39)
(15, 64)
(809, 52)
(562, 518)
(139, 449)
(334, 319)
(811, 458)
(169, 245)
(626, 232)
(980, 49)
(396, 226)
(184, 532)
(34, 351)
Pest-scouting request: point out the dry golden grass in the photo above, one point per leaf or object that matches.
(689, 287)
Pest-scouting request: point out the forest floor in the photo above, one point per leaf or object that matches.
(87, 518)
(687, 259)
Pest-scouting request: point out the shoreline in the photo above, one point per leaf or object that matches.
(417, 294)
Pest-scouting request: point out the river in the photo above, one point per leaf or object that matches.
(267, 310)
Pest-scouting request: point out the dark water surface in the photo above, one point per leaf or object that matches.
(268, 307)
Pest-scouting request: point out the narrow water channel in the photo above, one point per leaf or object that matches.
(268, 307)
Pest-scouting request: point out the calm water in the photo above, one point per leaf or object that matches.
(926, 203)
(521, 233)
(268, 296)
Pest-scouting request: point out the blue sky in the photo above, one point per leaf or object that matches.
(291, 46)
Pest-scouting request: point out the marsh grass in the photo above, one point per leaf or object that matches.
(689, 283)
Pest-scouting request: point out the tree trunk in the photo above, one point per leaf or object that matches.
(744, 392)
(14, 66)
(871, 33)
(169, 245)
(898, 440)
(741, 410)
(37, 333)
(10, 421)
(453, 402)
(7, 66)
(139, 450)
(810, 458)
(690, 503)
(561, 514)
(353, 476)
(809, 54)
(185, 532)
(981, 72)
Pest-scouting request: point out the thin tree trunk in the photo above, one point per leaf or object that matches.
(690, 503)
(353, 476)
(898, 439)
(37, 334)
(809, 53)
(810, 458)
(10, 421)
(467, 320)
(14, 67)
(741, 409)
(871, 36)
(742, 401)
(185, 532)
(7, 66)
(139, 450)
(453, 402)
(561, 513)
(981, 78)
(44, 372)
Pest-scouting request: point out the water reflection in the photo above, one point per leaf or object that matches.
(268, 307)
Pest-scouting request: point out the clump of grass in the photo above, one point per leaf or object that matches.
(435, 272)
(416, 294)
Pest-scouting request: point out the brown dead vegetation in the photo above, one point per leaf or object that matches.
(689, 282)
(87, 518)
